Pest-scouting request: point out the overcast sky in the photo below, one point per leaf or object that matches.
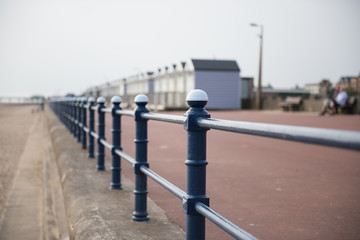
(57, 46)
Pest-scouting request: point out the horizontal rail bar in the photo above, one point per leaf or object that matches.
(125, 112)
(163, 182)
(94, 108)
(106, 144)
(164, 117)
(223, 223)
(86, 129)
(125, 156)
(322, 136)
(108, 110)
(94, 135)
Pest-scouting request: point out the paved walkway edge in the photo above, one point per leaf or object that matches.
(54, 217)
(93, 211)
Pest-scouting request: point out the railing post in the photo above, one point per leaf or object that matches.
(67, 111)
(101, 132)
(140, 213)
(78, 108)
(116, 142)
(196, 164)
(73, 116)
(83, 121)
(91, 127)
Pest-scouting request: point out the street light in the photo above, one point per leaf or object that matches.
(258, 96)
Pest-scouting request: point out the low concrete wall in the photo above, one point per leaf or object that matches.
(93, 210)
(313, 104)
(310, 104)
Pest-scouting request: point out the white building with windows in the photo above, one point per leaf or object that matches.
(168, 86)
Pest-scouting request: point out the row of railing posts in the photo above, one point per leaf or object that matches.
(75, 118)
(196, 122)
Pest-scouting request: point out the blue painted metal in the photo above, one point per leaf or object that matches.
(78, 119)
(116, 143)
(83, 121)
(196, 165)
(140, 213)
(196, 122)
(73, 116)
(101, 132)
(67, 114)
(91, 128)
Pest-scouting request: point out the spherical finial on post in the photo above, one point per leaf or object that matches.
(141, 100)
(101, 100)
(197, 98)
(91, 100)
(83, 100)
(116, 100)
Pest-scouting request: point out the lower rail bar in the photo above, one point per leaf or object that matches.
(86, 129)
(163, 182)
(223, 223)
(329, 137)
(94, 135)
(106, 144)
(125, 156)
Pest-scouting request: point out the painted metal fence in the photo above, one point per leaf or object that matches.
(73, 113)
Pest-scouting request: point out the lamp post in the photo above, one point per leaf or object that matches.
(258, 96)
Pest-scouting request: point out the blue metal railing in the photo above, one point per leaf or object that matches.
(196, 122)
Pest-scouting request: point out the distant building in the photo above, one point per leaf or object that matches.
(168, 86)
(320, 88)
(350, 82)
(313, 88)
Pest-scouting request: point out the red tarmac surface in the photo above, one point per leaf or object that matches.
(272, 188)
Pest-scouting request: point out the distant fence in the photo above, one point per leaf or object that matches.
(73, 113)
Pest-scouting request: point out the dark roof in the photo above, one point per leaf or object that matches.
(215, 65)
(183, 64)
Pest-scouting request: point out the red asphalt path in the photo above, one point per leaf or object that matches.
(272, 188)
